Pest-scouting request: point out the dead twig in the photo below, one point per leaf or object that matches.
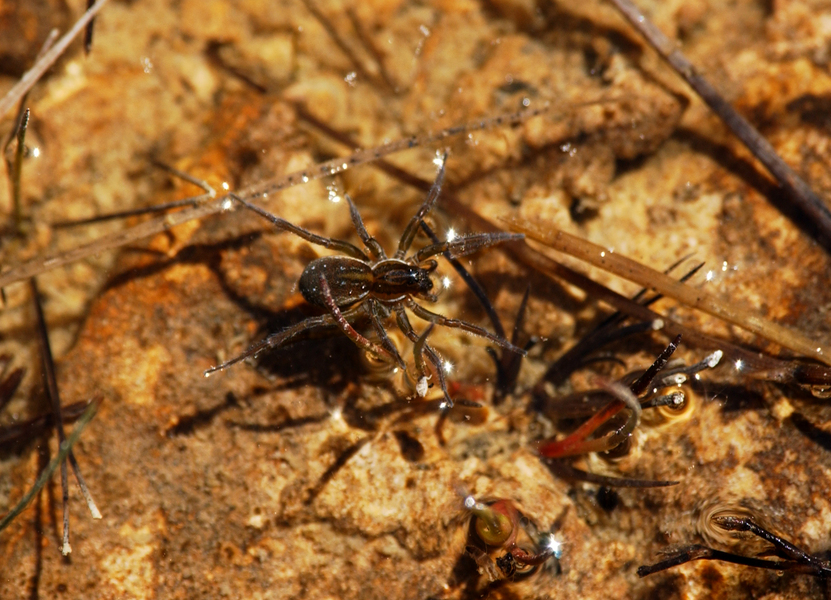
(796, 188)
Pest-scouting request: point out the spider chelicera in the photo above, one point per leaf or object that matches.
(369, 282)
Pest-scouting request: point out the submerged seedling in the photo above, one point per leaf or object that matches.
(495, 529)
(793, 559)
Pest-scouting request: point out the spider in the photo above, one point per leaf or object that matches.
(369, 282)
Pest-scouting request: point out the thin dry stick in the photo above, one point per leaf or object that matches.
(206, 204)
(366, 40)
(652, 279)
(339, 41)
(36, 72)
(799, 191)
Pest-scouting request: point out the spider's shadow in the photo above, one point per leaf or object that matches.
(321, 357)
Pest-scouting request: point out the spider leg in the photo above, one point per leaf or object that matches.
(337, 245)
(465, 245)
(372, 308)
(418, 352)
(276, 339)
(527, 559)
(375, 249)
(412, 227)
(347, 328)
(438, 319)
(404, 325)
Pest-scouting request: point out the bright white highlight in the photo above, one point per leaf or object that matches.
(448, 367)
(225, 186)
(451, 235)
(739, 364)
(552, 544)
(446, 282)
(334, 195)
(35, 152)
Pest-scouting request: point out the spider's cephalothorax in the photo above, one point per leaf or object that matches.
(351, 280)
(370, 282)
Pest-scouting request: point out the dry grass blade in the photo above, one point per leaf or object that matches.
(36, 72)
(207, 204)
(650, 278)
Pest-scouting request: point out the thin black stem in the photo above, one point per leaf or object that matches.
(471, 283)
(53, 393)
(639, 387)
(88, 30)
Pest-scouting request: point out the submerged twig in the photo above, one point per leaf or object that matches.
(31, 76)
(800, 192)
(148, 210)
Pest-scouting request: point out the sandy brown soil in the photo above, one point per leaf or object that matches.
(312, 477)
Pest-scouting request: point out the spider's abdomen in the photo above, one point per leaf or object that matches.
(349, 280)
(393, 279)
